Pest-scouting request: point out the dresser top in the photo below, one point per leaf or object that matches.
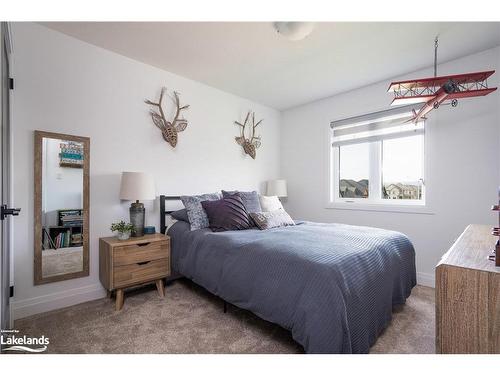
(113, 241)
(471, 250)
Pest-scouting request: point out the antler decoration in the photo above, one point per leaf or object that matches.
(168, 129)
(250, 145)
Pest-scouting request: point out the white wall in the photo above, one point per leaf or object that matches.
(68, 86)
(464, 163)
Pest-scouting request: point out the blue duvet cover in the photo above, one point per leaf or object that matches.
(332, 285)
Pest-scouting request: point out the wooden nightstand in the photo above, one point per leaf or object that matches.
(138, 260)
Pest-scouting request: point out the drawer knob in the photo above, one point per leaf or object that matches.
(143, 244)
(143, 263)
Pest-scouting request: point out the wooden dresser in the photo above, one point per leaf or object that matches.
(138, 260)
(468, 295)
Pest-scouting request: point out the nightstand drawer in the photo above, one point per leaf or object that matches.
(141, 272)
(132, 254)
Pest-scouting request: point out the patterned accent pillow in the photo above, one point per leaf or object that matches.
(227, 214)
(250, 199)
(271, 203)
(195, 212)
(272, 219)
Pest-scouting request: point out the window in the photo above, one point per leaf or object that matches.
(378, 159)
(354, 170)
(402, 168)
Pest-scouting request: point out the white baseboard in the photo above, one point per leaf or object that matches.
(40, 304)
(426, 279)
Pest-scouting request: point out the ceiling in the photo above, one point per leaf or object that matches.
(251, 60)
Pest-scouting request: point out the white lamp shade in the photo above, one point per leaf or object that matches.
(137, 186)
(277, 188)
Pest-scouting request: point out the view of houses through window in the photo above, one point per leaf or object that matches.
(402, 168)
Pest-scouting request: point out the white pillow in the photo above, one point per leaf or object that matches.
(270, 203)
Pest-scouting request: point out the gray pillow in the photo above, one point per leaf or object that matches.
(195, 212)
(180, 215)
(250, 199)
(271, 219)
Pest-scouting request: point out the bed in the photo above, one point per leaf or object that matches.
(332, 285)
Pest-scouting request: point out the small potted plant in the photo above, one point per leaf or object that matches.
(123, 230)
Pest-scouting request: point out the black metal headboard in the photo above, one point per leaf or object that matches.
(164, 213)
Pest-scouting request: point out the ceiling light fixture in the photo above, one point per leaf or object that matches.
(294, 30)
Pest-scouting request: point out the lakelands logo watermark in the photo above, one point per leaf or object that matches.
(12, 341)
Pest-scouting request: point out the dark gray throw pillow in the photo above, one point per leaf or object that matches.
(228, 213)
(250, 199)
(180, 215)
(272, 219)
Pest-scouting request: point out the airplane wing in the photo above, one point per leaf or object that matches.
(469, 93)
(439, 81)
(407, 100)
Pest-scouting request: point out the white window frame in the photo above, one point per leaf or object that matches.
(375, 202)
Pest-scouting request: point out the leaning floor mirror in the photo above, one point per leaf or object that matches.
(61, 207)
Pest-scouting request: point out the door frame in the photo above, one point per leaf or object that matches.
(5, 188)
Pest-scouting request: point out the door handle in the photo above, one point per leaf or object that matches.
(4, 211)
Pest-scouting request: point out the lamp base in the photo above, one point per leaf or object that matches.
(137, 214)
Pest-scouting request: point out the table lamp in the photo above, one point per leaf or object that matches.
(277, 188)
(136, 186)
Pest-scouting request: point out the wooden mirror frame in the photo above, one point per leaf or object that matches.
(38, 275)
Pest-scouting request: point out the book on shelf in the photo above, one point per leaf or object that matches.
(49, 242)
(67, 238)
(62, 240)
(69, 218)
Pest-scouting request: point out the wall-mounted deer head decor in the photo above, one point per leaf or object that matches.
(168, 129)
(251, 142)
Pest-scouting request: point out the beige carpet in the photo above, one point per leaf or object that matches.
(62, 261)
(190, 320)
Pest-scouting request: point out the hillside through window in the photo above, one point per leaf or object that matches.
(354, 168)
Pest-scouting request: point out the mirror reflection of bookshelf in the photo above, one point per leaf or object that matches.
(68, 232)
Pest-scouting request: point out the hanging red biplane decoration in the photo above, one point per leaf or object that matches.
(436, 90)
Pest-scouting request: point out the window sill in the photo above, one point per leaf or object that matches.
(381, 207)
